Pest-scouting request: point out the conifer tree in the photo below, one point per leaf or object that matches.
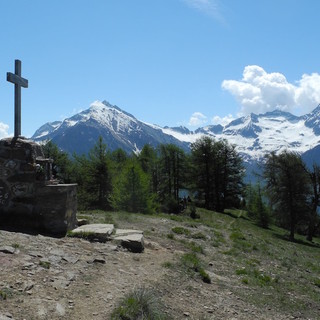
(218, 173)
(132, 189)
(149, 163)
(288, 187)
(172, 172)
(257, 209)
(94, 177)
(314, 219)
(62, 165)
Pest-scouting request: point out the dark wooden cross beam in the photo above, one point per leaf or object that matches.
(18, 83)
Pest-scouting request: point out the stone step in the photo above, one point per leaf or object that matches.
(93, 232)
(130, 239)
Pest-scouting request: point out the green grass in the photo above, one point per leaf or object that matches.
(181, 230)
(140, 304)
(168, 265)
(83, 234)
(196, 248)
(263, 268)
(266, 262)
(44, 264)
(16, 245)
(192, 263)
(170, 236)
(3, 295)
(199, 236)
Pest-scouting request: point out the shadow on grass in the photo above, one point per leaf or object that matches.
(235, 215)
(285, 237)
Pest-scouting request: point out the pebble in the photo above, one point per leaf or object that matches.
(99, 260)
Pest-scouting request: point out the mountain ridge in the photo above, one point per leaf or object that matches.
(254, 135)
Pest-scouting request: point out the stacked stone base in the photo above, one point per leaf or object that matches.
(29, 200)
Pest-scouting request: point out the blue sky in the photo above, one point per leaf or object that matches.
(167, 62)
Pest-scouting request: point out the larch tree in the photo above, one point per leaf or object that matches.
(218, 173)
(288, 188)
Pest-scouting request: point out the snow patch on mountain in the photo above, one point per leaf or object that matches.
(257, 135)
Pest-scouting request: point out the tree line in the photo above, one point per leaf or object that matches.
(212, 175)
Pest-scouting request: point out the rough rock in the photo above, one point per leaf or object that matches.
(5, 317)
(7, 249)
(130, 239)
(99, 232)
(31, 200)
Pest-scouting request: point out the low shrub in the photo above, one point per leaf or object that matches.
(192, 262)
(140, 304)
(181, 230)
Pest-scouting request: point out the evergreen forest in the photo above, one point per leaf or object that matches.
(166, 179)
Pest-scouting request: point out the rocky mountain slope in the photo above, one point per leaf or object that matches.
(118, 128)
(254, 135)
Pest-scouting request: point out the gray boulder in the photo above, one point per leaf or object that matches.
(130, 239)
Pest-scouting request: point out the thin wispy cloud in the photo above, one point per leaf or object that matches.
(207, 7)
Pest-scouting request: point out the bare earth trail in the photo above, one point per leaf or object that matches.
(70, 278)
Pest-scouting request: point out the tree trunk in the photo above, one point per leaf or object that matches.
(311, 228)
(292, 225)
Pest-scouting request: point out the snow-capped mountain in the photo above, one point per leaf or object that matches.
(118, 128)
(254, 135)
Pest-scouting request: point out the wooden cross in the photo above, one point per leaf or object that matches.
(18, 83)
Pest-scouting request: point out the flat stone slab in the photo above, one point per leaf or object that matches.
(7, 249)
(125, 232)
(130, 239)
(101, 232)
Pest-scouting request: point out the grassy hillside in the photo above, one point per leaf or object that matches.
(257, 266)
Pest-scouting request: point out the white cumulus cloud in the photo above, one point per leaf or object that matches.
(197, 119)
(308, 91)
(224, 120)
(259, 91)
(4, 130)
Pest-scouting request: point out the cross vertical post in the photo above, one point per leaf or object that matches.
(18, 83)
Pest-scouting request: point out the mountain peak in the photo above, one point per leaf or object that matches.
(313, 120)
(315, 111)
(280, 113)
(105, 105)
